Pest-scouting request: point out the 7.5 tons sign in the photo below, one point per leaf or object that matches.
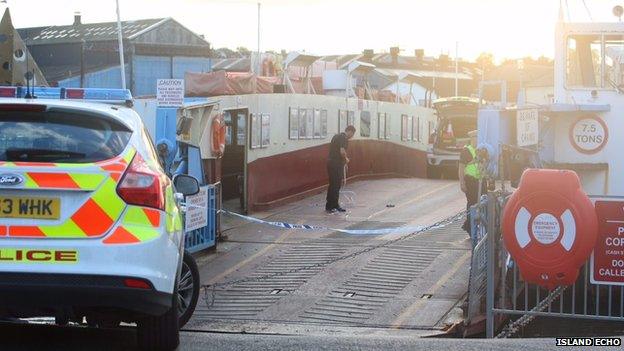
(589, 134)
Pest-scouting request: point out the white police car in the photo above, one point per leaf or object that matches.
(89, 225)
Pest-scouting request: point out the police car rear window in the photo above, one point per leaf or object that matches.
(57, 136)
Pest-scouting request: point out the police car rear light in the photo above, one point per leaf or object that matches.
(137, 283)
(141, 185)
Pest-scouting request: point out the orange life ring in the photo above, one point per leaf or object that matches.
(218, 129)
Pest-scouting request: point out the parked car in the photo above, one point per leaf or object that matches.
(456, 117)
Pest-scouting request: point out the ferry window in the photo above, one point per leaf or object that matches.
(584, 61)
(302, 123)
(614, 60)
(256, 131)
(416, 128)
(317, 124)
(293, 123)
(365, 120)
(241, 129)
(381, 125)
(265, 130)
(227, 117)
(387, 134)
(324, 124)
(309, 123)
(406, 128)
(342, 120)
(345, 118)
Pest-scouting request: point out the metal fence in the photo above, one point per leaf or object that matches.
(206, 237)
(478, 275)
(508, 295)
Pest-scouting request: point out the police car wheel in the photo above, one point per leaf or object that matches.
(188, 289)
(160, 332)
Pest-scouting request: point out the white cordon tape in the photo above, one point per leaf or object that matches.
(284, 225)
(348, 196)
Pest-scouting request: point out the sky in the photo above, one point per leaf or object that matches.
(505, 28)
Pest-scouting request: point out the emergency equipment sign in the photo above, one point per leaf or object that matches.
(607, 261)
(589, 134)
(197, 210)
(170, 92)
(527, 127)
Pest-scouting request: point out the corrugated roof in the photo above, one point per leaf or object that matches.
(87, 31)
(422, 74)
(242, 64)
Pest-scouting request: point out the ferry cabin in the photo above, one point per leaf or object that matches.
(585, 130)
(277, 144)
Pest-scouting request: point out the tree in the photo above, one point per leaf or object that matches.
(243, 51)
(485, 60)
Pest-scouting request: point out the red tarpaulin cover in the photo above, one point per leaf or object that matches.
(227, 83)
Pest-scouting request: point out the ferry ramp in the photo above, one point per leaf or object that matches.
(274, 280)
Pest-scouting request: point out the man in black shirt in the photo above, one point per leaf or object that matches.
(335, 167)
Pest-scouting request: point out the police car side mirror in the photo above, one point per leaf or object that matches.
(185, 184)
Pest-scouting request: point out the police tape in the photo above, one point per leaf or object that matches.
(284, 225)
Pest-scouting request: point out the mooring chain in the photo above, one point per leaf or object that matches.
(515, 326)
(210, 291)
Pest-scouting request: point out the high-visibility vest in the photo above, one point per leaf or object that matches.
(472, 168)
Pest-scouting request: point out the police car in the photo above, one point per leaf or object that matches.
(90, 229)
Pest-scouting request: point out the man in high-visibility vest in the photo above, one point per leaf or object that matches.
(470, 173)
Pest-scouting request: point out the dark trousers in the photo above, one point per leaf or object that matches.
(472, 196)
(335, 172)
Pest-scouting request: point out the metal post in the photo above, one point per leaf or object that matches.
(82, 63)
(491, 243)
(121, 50)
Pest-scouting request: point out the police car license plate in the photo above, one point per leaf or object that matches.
(30, 207)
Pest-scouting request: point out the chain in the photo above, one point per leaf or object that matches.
(210, 291)
(521, 322)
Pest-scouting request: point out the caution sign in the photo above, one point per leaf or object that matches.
(196, 210)
(170, 92)
(607, 261)
(527, 127)
(589, 134)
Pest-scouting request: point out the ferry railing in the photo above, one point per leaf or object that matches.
(478, 275)
(507, 295)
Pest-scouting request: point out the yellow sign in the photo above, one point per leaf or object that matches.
(30, 207)
(10, 255)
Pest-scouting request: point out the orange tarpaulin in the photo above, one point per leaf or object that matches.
(227, 83)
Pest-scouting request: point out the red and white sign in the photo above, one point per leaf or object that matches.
(607, 261)
(589, 134)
